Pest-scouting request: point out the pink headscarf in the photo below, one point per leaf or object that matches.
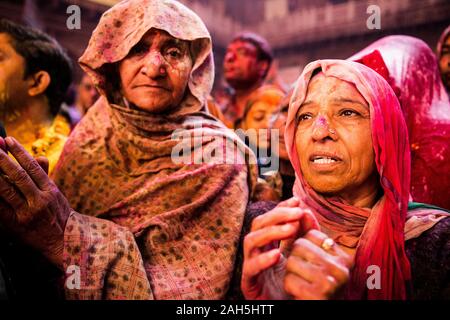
(378, 234)
(411, 69)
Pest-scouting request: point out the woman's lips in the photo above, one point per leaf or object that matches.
(324, 155)
(152, 87)
(324, 160)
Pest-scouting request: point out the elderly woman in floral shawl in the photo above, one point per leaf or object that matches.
(140, 221)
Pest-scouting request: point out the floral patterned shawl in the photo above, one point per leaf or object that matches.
(118, 164)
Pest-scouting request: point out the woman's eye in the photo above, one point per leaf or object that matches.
(174, 53)
(348, 113)
(303, 117)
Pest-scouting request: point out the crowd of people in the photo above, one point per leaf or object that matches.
(90, 187)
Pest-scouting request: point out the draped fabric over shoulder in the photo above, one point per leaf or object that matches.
(120, 164)
(411, 68)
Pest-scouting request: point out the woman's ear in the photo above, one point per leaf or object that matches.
(38, 83)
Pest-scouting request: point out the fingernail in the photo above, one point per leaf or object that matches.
(286, 228)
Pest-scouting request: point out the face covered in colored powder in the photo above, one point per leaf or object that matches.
(242, 66)
(155, 74)
(13, 85)
(333, 138)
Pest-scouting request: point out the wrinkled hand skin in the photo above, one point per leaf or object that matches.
(261, 250)
(299, 268)
(313, 273)
(31, 206)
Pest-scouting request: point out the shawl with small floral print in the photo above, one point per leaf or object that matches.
(186, 216)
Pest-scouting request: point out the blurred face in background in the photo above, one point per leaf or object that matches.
(444, 62)
(259, 114)
(13, 85)
(258, 118)
(242, 66)
(87, 94)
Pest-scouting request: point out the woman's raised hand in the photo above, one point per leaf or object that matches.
(261, 251)
(317, 268)
(31, 205)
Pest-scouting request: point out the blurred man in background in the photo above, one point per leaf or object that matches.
(247, 63)
(34, 76)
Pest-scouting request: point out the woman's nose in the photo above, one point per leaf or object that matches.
(154, 65)
(322, 129)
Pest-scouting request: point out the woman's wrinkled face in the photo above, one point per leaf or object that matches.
(333, 138)
(155, 74)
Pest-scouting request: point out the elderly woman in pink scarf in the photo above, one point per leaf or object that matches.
(411, 68)
(348, 232)
(151, 211)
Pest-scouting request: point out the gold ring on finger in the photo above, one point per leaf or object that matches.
(327, 244)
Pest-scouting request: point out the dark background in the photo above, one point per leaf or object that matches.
(299, 30)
